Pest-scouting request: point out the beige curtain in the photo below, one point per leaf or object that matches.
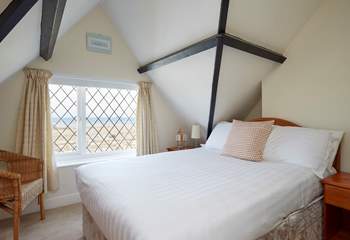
(146, 137)
(34, 131)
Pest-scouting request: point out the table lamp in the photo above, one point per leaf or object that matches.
(196, 134)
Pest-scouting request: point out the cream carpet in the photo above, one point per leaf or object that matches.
(60, 224)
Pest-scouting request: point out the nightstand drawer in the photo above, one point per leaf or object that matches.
(339, 197)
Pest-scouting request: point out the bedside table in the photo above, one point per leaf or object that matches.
(176, 148)
(336, 207)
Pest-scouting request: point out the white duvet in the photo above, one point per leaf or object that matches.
(192, 195)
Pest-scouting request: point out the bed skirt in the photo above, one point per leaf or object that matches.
(304, 224)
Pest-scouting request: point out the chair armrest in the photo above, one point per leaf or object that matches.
(9, 175)
(10, 156)
(29, 169)
(10, 186)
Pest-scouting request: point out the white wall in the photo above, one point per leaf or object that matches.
(70, 58)
(255, 112)
(10, 97)
(312, 87)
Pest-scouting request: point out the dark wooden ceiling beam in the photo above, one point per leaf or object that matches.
(52, 14)
(215, 83)
(243, 45)
(225, 4)
(180, 54)
(13, 13)
(223, 16)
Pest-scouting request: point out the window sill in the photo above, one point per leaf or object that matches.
(63, 162)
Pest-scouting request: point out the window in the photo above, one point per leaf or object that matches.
(64, 115)
(90, 120)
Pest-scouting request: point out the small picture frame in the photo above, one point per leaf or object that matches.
(98, 43)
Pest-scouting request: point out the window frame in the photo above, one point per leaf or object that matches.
(82, 155)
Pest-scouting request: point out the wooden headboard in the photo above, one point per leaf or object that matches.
(285, 123)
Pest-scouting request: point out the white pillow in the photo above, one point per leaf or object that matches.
(218, 136)
(333, 147)
(312, 148)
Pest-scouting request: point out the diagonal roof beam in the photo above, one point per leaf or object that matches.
(240, 44)
(52, 14)
(180, 54)
(13, 13)
(228, 40)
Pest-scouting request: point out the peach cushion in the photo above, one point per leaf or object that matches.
(247, 140)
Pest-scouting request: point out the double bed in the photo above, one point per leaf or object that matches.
(199, 194)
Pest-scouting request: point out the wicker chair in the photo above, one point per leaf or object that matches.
(20, 183)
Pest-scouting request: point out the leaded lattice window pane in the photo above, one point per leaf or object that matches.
(64, 115)
(110, 119)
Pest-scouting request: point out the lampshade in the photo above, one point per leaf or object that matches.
(196, 132)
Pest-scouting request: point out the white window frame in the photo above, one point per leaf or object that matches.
(81, 156)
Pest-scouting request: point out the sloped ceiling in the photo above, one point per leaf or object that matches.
(271, 23)
(192, 82)
(22, 44)
(155, 28)
(239, 86)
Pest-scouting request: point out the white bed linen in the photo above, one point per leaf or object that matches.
(192, 195)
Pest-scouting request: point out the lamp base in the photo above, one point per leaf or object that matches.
(195, 143)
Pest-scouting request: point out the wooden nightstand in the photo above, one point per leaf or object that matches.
(336, 207)
(176, 148)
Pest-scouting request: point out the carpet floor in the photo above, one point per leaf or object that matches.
(60, 224)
